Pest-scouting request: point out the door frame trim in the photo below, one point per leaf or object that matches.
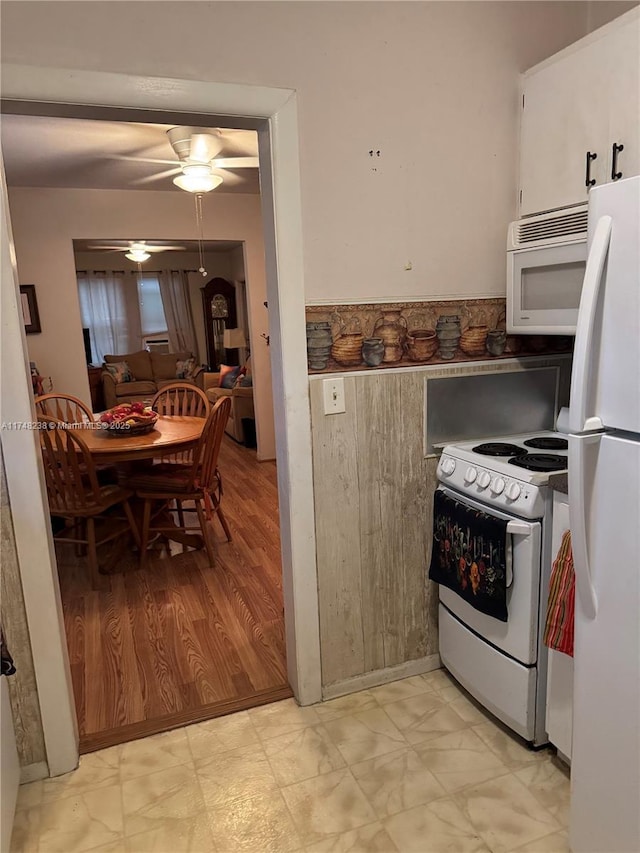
(273, 113)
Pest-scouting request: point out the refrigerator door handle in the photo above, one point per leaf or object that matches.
(578, 522)
(579, 419)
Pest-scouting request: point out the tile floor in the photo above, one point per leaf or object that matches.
(409, 766)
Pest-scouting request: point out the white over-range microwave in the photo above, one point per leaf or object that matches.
(546, 260)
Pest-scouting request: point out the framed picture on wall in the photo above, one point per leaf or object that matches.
(29, 309)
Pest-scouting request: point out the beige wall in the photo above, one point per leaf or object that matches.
(46, 221)
(432, 86)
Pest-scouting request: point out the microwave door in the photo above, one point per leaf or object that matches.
(544, 287)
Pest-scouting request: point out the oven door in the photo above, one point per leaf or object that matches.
(544, 286)
(518, 636)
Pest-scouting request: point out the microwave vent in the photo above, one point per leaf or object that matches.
(551, 227)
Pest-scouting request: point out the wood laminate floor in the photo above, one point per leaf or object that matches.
(182, 641)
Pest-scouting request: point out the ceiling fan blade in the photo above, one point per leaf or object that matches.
(128, 159)
(235, 163)
(164, 248)
(149, 179)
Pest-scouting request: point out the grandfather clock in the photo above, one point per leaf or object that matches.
(220, 313)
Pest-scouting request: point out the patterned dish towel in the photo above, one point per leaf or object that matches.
(469, 555)
(558, 632)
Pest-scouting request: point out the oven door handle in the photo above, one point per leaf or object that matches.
(514, 528)
(518, 528)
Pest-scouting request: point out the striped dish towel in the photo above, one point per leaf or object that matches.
(558, 632)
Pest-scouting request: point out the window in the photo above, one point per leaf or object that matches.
(152, 319)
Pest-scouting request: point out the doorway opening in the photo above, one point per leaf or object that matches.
(188, 641)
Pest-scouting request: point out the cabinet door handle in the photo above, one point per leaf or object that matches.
(615, 175)
(589, 181)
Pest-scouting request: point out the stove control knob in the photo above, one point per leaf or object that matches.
(513, 491)
(470, 475)
(483, 479)
(448, 466)
(497, 487)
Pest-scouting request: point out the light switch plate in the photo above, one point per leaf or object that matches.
(333, 393)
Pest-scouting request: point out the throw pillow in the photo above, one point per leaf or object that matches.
(229, 375)
(245, 381)
(185, 369)
(120, 371)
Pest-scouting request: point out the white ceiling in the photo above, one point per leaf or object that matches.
(39, 151)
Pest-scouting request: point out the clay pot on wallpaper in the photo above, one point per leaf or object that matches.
(373, 351)
(347, 350)
(473, 339)
(421, 344)
(318, 345)
(496, 341)
(448, 332)
(347, 344)
(391, 327)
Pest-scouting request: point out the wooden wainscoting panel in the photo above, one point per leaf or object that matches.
(379, 470)
(337, 496)
(414, 497)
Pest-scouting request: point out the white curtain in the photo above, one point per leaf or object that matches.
(174, 288)
(109, 308)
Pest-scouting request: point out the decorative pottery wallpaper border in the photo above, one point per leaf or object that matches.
(397, 334)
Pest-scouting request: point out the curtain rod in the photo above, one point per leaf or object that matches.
(133, 272)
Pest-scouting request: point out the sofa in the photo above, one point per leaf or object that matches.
(148, 372)
(241, 402)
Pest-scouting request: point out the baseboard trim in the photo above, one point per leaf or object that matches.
(381, 676)
(145, 728)
(33, 772)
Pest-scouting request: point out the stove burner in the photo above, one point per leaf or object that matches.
(540, 462)
(497, 448)
(547, 443)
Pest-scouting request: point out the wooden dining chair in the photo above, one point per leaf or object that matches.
(71, 410)
(75, 494)
(181, 398)
(200, 481)
(64, 407)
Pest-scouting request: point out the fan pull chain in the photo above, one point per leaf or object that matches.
(199, 222)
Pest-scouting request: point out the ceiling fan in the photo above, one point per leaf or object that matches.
(137, 251)
(201, 157)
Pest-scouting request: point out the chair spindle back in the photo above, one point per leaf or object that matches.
(72, 484)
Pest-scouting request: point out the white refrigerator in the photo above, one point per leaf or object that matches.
(604, 512)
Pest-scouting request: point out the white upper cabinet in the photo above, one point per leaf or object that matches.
(578, 104)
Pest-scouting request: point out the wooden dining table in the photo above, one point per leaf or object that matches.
(171, 434)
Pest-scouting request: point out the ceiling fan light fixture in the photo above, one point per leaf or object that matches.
(137, 255)
(197, 178)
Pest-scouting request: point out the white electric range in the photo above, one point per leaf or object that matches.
(504, 664)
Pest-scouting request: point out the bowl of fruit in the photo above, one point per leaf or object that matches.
(128, 419)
